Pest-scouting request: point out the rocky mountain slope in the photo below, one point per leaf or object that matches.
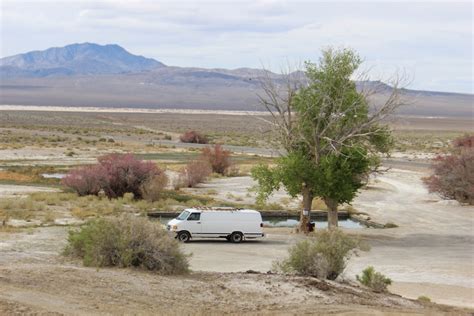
(109, 76)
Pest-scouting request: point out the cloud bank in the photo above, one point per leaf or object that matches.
(430, 41)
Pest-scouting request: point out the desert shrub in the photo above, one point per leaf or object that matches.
(466, 141)
(125, 174)
(323, 256)
(218, 158)
(374, 280)
(127, 241)
(152, 189)
(193, 173)
(86, 180)
(193, 137)
(424, 299)
(115, 174)
(453, 174)
(390, 225)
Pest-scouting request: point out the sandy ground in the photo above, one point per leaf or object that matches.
(35, 280)
(430, 253)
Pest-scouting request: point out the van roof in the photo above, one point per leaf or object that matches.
(219, 209)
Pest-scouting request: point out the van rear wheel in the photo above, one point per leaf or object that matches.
(184, 236)
(236, 237)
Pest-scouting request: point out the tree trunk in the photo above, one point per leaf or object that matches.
(332, 213)
(305, 216)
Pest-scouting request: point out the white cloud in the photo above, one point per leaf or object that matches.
(432, 41)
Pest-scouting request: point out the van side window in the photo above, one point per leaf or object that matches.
(194, 217)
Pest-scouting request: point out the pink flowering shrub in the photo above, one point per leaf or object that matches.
(115, 174)
(453, 174)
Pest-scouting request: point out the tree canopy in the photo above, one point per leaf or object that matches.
(331, 135)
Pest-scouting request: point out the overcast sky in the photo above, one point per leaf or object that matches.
(430, 41)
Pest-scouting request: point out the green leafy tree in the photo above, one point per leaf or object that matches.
(330, 135)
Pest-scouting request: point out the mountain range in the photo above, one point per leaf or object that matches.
(89, 74)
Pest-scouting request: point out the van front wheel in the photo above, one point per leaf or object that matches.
(236, 237)
(184, 236)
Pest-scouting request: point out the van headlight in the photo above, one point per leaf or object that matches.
(174, 227)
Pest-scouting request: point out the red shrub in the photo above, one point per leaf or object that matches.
(87, 180)
(193, 137)
(218, 158)
(116, 174)
(466, 141)
(194, 173)
(126, 174)
(453, 175)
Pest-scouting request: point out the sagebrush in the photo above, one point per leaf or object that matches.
(374, 280)
(324, 255)
(127, 241)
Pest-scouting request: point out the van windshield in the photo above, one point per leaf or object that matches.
(183, 215)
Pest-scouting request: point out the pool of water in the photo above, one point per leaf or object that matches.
(288, 222)
(53, 175)
(293, 222)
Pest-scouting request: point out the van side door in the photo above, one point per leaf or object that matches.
(193, 223)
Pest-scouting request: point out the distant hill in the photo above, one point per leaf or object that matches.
(86, 58)
(109, 76)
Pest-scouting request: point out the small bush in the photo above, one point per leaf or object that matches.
(195, 172)
(323, 256)
(193, 137)
(218, 158)
(85, 180)
(424, 299)
(127, 241)
(466, 141)
(390, 225)
(453, 174)
(152, 189)
(374, 280)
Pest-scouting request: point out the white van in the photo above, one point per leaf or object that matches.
(232, 224)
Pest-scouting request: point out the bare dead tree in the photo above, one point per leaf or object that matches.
(277, 99)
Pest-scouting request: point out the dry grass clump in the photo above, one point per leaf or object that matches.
(127, 241)
(21, 208)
